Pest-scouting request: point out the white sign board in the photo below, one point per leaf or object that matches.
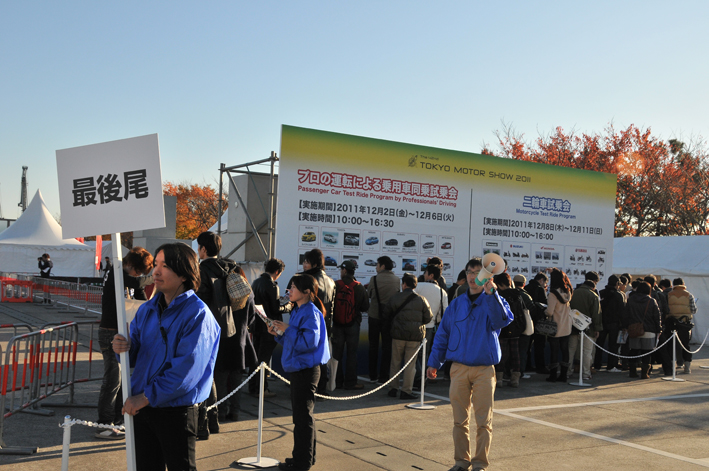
(358, 199)
(111, 187)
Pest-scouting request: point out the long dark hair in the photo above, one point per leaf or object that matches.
(559, 282)
(307, 282)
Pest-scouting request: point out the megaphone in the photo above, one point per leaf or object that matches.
(492, 265)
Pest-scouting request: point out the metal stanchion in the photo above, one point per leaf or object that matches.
(674, 361)
(258, 461)
(420, 405)
(580, 381)
(66, 443)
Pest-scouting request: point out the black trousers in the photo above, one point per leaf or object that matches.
(166, 436)
(265, 344)
(303, 384)
(539, 345)
(612, 336)
(379, 367)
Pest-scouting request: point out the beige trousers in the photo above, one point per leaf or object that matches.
(403, 350)
(472, 385)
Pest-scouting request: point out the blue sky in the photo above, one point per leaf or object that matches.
(216, 80)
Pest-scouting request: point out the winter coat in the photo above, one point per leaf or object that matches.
(586, 301)
(387, 284)
(305, 340)
(469, 332)
(560, 312)
(643, 308)
(612, 308)
(410, 322)
(212, 291)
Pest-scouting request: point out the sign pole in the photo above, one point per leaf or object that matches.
(124, 359)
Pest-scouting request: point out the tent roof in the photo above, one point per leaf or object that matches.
(662, 255)
(37, 227)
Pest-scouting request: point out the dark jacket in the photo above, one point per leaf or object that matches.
(643, 308)
(326, 292)
(410, 322)
(266, 294)
(109, 316)
(212, 291)
(361, 300)
(536, 291)
(612, 308)
(237, 352)
(516, 303)
(45, 265)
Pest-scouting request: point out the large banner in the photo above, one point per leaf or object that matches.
(358, 198)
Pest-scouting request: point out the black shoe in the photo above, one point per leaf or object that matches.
(392, 392)
(292, 466)
(542, 371)
(290, 460)
(233, 416)
(405, 395)
(354, 386)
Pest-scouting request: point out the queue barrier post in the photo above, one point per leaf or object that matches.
(420, 405)
(580, 382)
(674, 377)
(66, 442)
(259, 461)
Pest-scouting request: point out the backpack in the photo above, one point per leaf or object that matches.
(514, 300)
(238, 290)
(344, 307)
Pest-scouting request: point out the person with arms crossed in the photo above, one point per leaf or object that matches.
(468, 336)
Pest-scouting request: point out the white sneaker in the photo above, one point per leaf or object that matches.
(614, 370)
(110, 434)
(526, 376)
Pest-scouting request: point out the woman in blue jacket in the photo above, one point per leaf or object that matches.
(305, 348)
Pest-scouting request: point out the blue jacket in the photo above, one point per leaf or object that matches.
(305, 340)
(469, 331)
(176, 370)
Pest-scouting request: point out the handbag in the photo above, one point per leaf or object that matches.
(529, 329)
(546, 327)
(238, 289)
(636, 329)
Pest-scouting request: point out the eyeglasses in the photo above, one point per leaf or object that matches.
(471, 272)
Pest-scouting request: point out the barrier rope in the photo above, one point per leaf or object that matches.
(348, 398)
(237, 388)
(628, 357)
(695, 351)
(91, 424)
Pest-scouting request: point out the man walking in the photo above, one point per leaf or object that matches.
(350, 301)
(468, 336)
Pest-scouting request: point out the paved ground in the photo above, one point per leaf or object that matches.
(618, 423)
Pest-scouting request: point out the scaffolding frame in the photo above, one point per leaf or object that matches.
(269, 249)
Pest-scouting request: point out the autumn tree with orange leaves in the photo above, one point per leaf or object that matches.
(663, 187)
(197, 207)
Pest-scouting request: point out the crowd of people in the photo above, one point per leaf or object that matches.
(191, 343)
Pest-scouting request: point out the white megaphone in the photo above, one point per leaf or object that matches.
(492, 265)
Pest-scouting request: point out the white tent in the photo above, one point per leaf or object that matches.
(685, 257)
(36, 232)
(106, 250)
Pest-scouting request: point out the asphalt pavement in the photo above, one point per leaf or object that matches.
(616, 423)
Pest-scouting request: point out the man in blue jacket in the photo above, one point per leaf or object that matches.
(468, 336)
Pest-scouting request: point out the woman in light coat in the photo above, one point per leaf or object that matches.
(558, 309)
